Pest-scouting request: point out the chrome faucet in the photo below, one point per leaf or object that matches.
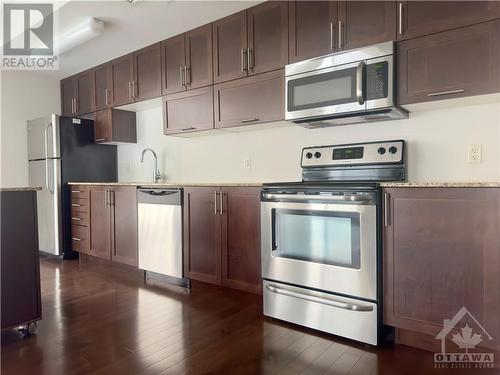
(156, 173)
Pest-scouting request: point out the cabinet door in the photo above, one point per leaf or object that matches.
(363, 23)
(241, 239)
(122, 76)
(441, 254)
(173, 62)
(267, 37)
(451, 64)
(124, 200)
(101, 87)
(147, 73)
(250, 100)
(103, 126)
(188, 111)
(68, 95)
(199, 71)
(84, 93)
(312, 29)
(229, 47)
(100, 222)
(202, 235)
(418, 18)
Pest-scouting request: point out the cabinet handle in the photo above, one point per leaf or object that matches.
(100, 139)
(181, 75)
(135, 89)
(105, 197)
(186, 129)
(386, 210)
(243, 60)
(187, 77)
(222, 194)
(249, 58)
(340, 34)
(249, 120)
(75, 191)
(130, 90)
(76, 205)
(216, 193)
(331, 35)
(76, 218)
(446, 92)
(106, 94)
(76, 239)
(400, 24)
(112, 196)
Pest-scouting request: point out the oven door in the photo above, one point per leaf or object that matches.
(326, 246)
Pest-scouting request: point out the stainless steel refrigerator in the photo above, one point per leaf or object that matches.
(62, 149)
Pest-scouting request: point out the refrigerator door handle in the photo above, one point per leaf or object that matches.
(47, 183)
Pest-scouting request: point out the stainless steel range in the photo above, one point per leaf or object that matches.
(321, 252)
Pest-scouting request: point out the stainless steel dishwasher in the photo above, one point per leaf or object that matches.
(160, 231)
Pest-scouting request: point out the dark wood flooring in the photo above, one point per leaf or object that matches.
(98, 320)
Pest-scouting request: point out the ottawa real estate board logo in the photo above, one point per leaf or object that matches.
(462, 334)
(28, 36)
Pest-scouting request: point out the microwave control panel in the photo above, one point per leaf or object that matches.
(377, 77)
(384, 152)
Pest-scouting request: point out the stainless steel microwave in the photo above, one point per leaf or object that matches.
(343, 88)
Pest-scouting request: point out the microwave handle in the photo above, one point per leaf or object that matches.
(359, 83)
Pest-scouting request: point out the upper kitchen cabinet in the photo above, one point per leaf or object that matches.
(418, 18)
(121, 80)
(312, 29)
(76, 96)
(456, 63)
(147, 73)
(362, 23)
(267, 37)
(441, 252)
(115, 125)
(229, 47)
(101, 94)
(251, 100)
(187, 61)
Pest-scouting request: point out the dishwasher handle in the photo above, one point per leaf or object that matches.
(160, 196)
(159, 192)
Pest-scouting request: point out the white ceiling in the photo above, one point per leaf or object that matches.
(129, 27)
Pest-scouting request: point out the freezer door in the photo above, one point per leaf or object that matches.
(47, 174)
(43, 138)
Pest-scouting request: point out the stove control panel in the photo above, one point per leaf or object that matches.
(384, 152)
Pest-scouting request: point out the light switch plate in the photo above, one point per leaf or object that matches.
(474, 153)
(247, 163)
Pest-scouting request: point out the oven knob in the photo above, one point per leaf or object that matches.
(317, 154)
(381, 150)
(393, 150)
(309, 155)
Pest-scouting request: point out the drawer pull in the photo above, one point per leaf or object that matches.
(186, 129)
(76, 218)
(446, 92)
(249, 120)
(100, 139)
(76, 205)
(76, 239)
(75, 191)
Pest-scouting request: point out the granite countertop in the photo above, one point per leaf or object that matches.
(22, 188)
(441, 184)
(168, 184)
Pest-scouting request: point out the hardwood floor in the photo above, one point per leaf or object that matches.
(98, 320)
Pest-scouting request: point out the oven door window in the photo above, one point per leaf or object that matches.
(331, 238)
(322, 90)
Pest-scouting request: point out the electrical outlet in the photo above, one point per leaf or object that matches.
(247, 163)
(475, 153)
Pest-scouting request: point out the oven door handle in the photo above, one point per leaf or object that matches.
(341, 198)
(359, 83)
(273, 230)
(330, 301)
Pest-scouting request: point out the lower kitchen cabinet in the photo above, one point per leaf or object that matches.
(441, 253)
(451, 64)
(100, 222)
(124, 218)
(222, 236)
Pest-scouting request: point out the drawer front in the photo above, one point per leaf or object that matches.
(80, 239)
(80, 218)
(79, 205)
(322, 311)
(79, 192)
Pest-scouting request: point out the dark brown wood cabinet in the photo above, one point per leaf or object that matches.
(147, 73)
(418, 18)
(441, 253)
(124, 225)
(188, 111)
(241, 267)
(101, 87)
(115, 125)
(456, 63)
(68, 95)
(250, 100)
(173, 61)
(100, 222)
(222, 236)
(121, 80)
(80, 219)
(202, 235)
(312, 29)
(362, 23)
(76, 94)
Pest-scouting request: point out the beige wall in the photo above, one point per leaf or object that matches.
(437, 148)
(24, 96)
